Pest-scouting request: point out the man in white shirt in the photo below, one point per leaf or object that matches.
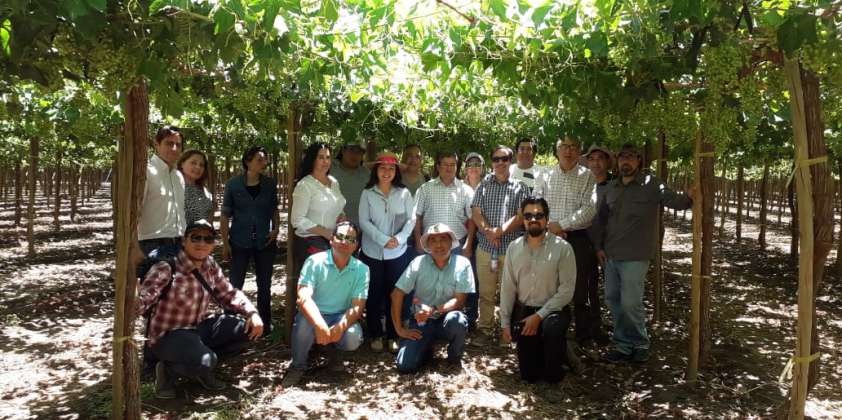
(525, 169)
(447, 200)
(162, 220)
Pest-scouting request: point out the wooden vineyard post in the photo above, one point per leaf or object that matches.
(804, 189)
(740, 193)
(131, 169)
(30, 211)
(764, 198)
(658, 283)
(293, 127)
(705, 191)
(18, 192)
(695, 290)
(57, 192)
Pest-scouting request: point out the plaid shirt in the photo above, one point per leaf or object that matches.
(448, 204)
(571, 196)
(186, 303)
(499, 201)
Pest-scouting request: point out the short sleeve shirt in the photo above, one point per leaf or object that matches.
(434, 286)
(499, 201)
(334, 290)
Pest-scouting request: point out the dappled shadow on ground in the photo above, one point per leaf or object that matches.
(56, 314)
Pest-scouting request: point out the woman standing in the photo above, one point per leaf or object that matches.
(472, 175)
(198, 201)
(317, 204)
(251, 203)
(387, 218)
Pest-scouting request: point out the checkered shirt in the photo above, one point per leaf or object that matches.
(186, 303)
(571, 196)
(498, 202)
(448, 204)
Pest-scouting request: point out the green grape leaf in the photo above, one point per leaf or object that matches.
(270, 11)
(5, 35)
(223, 20)
(330, 10)
(540, 13)
(499, 8)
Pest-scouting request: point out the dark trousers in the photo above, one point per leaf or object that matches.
(472, 302)
(586, 294)
(383, 274)
(541, 356)
(194, 352)
(264, 260)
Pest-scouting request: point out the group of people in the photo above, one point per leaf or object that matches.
(480, 259)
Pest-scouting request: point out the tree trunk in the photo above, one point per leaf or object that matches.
(740, 194)
(57, 191)
(723, 198)
(793, 221)
(707, 190)
(761, 237)
(293, 147)
(839, 239)
(132, 177)
(815, 186)
(73, 186)
(18, 192)
(33, 175)
(658, 280)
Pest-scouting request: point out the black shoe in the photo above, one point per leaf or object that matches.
(640, 356)
(615, 356)
(601, 339)
(164, 387)
(209, 382)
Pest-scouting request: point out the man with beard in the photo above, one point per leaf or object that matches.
(539, 276)
(625, 242)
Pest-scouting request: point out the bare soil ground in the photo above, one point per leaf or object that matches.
(56, 312)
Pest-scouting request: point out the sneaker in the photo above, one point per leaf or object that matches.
(164, 387)
(481, 339)
(393, 346)
(210, 383)
(292, 378)
(377, 345)
(615, 356)
(640, 356)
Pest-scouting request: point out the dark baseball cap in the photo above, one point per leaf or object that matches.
(200, 224)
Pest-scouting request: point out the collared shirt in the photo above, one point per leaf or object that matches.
(434, 286)
(198, 203)
(383, 217)
(625, 224)
(186, 303)
(571, 196)
(163, 202)
(528, 176)
(314, 204)
(543, 277)
(334, 290)
(600, 193)
(448, 204)
(351, 182)
(499, 201)
(251, 217)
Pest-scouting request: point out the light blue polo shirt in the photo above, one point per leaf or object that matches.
(333, 290)
(433, 286)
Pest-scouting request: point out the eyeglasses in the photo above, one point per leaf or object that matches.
(524, 149)
(209, 239)
(497, 159)
(534, 216)
(351, 239)
(565, 146)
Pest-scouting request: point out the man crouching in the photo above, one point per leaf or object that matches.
(184, 336)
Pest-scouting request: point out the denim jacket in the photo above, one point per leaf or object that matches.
(251, 218)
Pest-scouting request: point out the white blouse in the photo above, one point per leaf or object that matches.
(314, 204)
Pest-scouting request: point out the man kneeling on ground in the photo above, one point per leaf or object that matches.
(441, 282)
(184, 336)
(539, 277)
(332, 290)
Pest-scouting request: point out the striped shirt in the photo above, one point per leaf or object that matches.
(499, 202)
(186, 303)
(448, 204)
(571, 196)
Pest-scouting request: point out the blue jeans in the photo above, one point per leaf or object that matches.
(264, 259)
(624, 288)
(452, 327)
(304, 335)
(383, 276)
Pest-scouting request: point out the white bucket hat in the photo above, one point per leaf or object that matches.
(439, 229)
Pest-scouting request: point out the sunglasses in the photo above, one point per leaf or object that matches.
(351, 239)
(497, 159)
(209, 239)
(473, 165)
(534, 216)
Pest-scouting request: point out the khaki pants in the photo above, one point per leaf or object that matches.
(489, 284)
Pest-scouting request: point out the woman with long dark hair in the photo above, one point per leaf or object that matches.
(317, 204)
(198, 201)
(387, 218)
(250, 202)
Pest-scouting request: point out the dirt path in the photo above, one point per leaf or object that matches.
(55, 329)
